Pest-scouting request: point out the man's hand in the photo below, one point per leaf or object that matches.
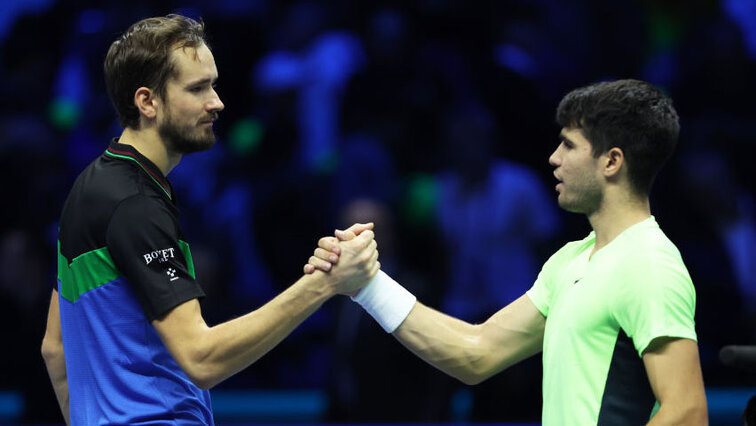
(328, 251)
(357, 263)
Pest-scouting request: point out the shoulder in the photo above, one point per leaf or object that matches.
(649, 250)
(140, 210)
(108, 181)
(648, 264)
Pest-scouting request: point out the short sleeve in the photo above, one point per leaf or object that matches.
(542, 290)
(143, 240)
(658, 299)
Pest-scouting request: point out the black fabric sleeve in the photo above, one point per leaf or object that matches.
(143, 240)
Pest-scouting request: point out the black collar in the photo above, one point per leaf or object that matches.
(128, 152)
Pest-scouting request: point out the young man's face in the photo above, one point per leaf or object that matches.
(580, 187)
(191, 104)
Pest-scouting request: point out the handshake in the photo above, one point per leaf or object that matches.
(350, 259)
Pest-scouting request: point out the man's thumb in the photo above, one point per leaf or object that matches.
(344, 235)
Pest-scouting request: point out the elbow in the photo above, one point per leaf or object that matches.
(480, 365)
(199, 369)
(51, 349)
(696, 412)
(689, 414)
(477, 367)
(699, 415)
(200, 376)
(474, 374)
(204, 383)
(471, 380)
(695, 416)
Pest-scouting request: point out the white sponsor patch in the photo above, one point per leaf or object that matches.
(161, 255)
(172, 273)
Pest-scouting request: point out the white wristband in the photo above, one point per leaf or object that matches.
(386, 301)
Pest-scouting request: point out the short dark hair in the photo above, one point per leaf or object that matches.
(631, 115)
(141, 58)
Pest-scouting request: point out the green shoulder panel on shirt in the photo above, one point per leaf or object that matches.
(95, 268)
(86, 272)
(184, 246)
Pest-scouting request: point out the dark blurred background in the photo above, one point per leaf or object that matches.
(432, 118)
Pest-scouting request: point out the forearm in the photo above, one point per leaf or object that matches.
(453, 346)
(56, 369)
(472, 353)
(227, 348)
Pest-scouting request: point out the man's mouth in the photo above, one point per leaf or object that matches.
(209, 120)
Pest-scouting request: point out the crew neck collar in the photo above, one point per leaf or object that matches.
(129, 153)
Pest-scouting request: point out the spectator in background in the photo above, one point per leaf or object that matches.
(492, 214)
(720, 252)
(317, 66)
(366, 187)
(358, 394)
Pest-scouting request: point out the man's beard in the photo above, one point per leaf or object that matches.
(586, 200)
(184, 139)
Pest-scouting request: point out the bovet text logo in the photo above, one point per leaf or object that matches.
(161, 255)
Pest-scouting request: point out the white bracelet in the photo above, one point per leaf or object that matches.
(386, 301)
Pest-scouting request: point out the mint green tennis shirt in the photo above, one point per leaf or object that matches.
(601, 314)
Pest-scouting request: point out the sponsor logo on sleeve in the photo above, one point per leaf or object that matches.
(161, 256)
(172, 274)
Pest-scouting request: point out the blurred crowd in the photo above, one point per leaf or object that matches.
(431, 118)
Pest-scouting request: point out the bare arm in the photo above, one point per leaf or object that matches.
(468, 352)
(55, 360)
(674, 372)
(209, 355)
(473, 353)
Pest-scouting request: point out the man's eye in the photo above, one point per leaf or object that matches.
(196, 89)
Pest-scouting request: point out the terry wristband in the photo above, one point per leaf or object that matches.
(386, 301)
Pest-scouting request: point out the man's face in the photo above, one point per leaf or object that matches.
(191, 104)
(580, 186)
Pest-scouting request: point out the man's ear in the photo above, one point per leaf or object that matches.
(147, 102)
(614, 160)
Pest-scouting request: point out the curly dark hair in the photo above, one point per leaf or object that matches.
(141, 58)
(632, 115)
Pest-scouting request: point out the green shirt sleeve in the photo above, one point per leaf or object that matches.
(539, 293)
(657, 298)
(544, 288)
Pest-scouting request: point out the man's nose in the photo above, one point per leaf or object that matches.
(554, 159)
(215, 104)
